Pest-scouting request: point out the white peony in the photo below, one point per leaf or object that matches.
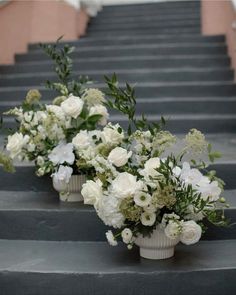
(108, 209)
(72, 106)
(92, 192)
(191, 233)
(111, 134)
(81, 140)
(142, 199)
(16, 143)
(62, 153)
(119, 156)
(125, 185)
(148, 219)
(126, 235)
(150, 168)
(173, 230)
(110, 238)
(100, 110)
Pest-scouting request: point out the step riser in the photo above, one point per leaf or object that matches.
(171, 107)
(131, 40)
(131, 52)
(123, 64)
(131, 77)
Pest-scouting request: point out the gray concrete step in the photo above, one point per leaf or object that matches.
(133, 76)
(87, 268)
(147, 38)
(112, 64)
(29, 215)
(131, 50)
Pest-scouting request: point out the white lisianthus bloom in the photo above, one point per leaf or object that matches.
(100, 110)
(190, 176)
(111, 134)
(72, 106)
(81, 140)
(63, 174)
(108, 209)
(191, 233)
(150, 168)
(110, 238)
(173, 230)
(148, 219)
(142, 199)
(125, 185)
(57, 111)
(127, 235)
(92, 192)
(119, 156)
(62, 153)
(16, 143)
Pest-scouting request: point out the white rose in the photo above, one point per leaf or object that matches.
(100, 110)
(191, 233)
(110, 238)
(81, 140)
(173, 230)
(72, 106)
(150, 168)
(15, 143)
(126, 235)
(57, 111)
(111, 134)
(125, 185)
(62, 153)
(92, 191)
(119, 156)
(148, 219)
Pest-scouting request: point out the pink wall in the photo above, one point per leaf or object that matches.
(23, 22)
(217, 18)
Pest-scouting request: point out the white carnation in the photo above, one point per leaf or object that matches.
(92, 191)
(110, 238)
(119, 156)
(57, 111)
(191, 233)
(72, 106)
(62, 153)
(100, 110)
(16, 143)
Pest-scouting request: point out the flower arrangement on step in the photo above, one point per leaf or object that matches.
(152, 196)
(49, 133)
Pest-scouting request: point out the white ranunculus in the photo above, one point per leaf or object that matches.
(125, 185)
(150, 168)
(126, 235)
(100, 110)
(63, 175)
(108, 209)
(110, 238)
(92, 192)
(72, 106)
(148, 219)
(111, 134)
(173, 230)
(191, 233)
(119, 156)
(81, 140)
(15, 144)
(62, 153)
(57, 111)
(142, 199)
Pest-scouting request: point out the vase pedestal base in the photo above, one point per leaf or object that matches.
(157, 253)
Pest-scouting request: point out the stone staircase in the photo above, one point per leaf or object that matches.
(50, 248)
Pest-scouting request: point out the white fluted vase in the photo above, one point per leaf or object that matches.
(158, 246)
(70, 192)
